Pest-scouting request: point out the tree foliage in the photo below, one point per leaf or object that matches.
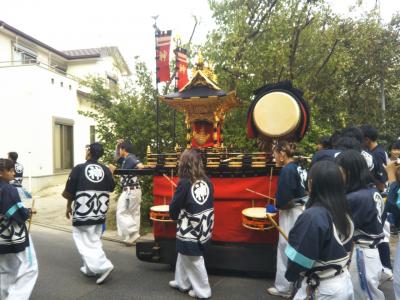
(341, 64)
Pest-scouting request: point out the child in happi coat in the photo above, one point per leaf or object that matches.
(18, 264)
(290, 199)
(317, 254)
(366, 207)
(192, 207)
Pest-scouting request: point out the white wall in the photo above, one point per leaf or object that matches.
(30, 102)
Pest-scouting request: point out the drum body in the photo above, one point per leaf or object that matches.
(255, 218)
(160, 213)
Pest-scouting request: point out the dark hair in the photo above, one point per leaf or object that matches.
(395, 145)
(96, 150)
(328, 190)
(355, 169)
(191, 165)
(334, 138)
(353, 132)
(285, 147)
(325, 142)
(127, 146)
(13, 156)
(347, 143)
(6, 164)
(370, 132)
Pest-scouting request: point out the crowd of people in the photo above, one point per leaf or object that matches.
(338, 245)
(337, 220)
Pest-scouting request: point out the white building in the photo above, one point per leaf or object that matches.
(40, 97)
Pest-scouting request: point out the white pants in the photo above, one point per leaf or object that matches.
(128, 212)
(396, 273)
(338, 287)
(88, 241)
(373, 270)
(287, 218)
(18, 274)
(191, 273)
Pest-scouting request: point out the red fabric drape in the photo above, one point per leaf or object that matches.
(230, 198)
(163, 42)
(181, 68)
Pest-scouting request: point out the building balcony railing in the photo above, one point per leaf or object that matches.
(40, 64)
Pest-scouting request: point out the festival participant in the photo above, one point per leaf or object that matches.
(393, 171)
(88, 187)
(366, 206)
(18, 264)
(378, 153)
(193, 207)
(18, 169)
(290, 202)
(128, 207)
(324, 143)
(327, 153)
(316, 248)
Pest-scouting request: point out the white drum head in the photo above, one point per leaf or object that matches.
(276, 114)
(160, 208)
(255, 212)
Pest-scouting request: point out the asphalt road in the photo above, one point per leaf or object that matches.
(60, 278)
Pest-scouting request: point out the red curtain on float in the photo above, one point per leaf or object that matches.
(181, 68)
(163, 43)
(230, 198)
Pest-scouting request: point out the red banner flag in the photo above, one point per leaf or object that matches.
(181, 68)
(163, 42)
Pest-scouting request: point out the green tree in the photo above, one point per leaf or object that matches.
(341, 64)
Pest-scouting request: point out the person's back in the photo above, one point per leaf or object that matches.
(90, 183)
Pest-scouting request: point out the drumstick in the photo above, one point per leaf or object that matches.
(262, 195)
(277, 227)
(169, 179)
(30, 220)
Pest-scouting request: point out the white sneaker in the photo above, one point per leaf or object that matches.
(386, 275)
(192, 294)
(275, 292)
(104, 276)
(173, 284)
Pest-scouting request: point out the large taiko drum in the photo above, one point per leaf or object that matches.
(255, 218)
(160, 213)
(278, 112)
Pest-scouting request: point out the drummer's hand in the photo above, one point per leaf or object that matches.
(112, 168)
(68, 212)
(33, 211)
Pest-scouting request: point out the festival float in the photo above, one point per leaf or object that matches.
(244, 238)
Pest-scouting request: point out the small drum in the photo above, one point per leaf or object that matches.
(255, 218)
(160, 213)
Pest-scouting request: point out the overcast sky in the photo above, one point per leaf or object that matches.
(127, 24)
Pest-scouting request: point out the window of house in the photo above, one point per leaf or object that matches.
(63, 145)
(92, 134)
(24, 54)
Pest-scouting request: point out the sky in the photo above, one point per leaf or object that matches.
(127, 24)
